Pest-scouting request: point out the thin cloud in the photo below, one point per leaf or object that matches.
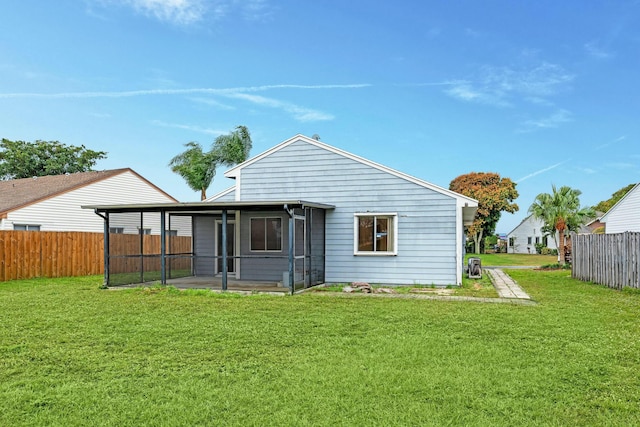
(549, 122)
(621, 165)
(212, 103)
(299, 113)
(465, 91)
(149, 92)
(181, 12)
(193, 128)
(538, 172)
(256, 10)
(588, 171)
(189, 12)
(607, 144)
(500, 86)
(595, 51)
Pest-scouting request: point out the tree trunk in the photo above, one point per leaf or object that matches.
(560, 226)
(477, 238)
(203, 194)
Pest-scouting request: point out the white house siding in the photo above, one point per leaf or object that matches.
(64, 213)
(427, 220)
(625, 215)
(529, 228)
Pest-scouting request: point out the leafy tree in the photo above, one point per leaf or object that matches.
(561, 212)
(605, 205)
(494, 195)
(22, 159)
(198, 168)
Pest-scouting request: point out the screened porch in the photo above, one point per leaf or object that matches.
(249, 246)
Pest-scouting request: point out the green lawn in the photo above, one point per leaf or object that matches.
(72, 354)
(515, 259)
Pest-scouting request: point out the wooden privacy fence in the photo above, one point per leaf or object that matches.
(28, 254)
(608, 259)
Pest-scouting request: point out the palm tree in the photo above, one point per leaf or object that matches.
(560, 211)
(196, 167)
(233, 148)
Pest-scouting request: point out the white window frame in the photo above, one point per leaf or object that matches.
(266, 218)
(393, 216)
(116, 230)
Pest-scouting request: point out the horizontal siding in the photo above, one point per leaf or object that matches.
(204, 245)
(426, 218)
(64, 212)
(229, 197)
(625, 216)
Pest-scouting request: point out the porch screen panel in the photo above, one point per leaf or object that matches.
(298, 252)
(179, 246)
(316, 255)
(125, 248)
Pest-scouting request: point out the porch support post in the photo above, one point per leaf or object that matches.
(141, 236)
(291, 231)
(224, 250)
(106, 249)
(308, 255)
(163, 249)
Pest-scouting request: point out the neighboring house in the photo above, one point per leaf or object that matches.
(523, 238)
(594, 226)
(307, 212)
(52, 203)
(624, 215)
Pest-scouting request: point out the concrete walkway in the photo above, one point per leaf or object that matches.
(505, 285)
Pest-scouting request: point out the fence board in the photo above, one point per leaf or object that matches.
(608, 259)
(28, 254)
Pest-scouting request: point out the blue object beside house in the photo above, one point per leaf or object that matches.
(321, 214)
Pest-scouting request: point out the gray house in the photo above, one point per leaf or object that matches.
(305, 212)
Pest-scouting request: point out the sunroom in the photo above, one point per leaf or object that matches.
(276, 246)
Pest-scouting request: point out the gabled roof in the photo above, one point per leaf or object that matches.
(235, 171)
(603, 218)
(18, 193)
(521, 222)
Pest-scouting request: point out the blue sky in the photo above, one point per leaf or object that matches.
(541, 92)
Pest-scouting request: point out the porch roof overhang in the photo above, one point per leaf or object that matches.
(201, 207)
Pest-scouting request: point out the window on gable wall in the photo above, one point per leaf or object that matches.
(375, 234)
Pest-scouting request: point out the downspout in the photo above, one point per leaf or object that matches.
(291, 230)
(105, 247)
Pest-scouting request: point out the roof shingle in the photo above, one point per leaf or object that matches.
(16, 193)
